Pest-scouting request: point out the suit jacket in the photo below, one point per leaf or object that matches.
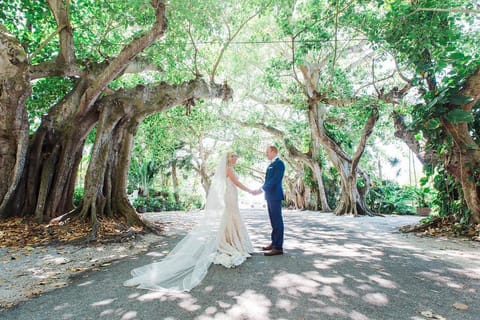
(273, 180)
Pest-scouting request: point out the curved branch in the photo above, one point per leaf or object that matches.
(44, 43)
(229, 40)
(295, 75)
(195, 55)
(455, 10)
(367, 131)
(403, 77)
(335, 47)
(60, 10)
(127, 54)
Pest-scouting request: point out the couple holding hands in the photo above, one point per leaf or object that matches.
(220, 237)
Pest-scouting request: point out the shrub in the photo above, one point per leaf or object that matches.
(78, 196)
(388, 197)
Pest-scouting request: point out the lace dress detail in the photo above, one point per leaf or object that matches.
(234, 244)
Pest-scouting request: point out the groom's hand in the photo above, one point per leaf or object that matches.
(257, 192)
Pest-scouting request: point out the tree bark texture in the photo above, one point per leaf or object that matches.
(402, 132)
(463, 161)
(14, 90)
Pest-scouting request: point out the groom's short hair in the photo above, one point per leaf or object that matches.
(274, 149)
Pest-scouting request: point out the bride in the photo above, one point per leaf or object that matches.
(220, 237)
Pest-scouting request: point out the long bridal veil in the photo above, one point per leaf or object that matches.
(187, 264)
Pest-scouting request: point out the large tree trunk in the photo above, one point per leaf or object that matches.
(295, 187)
(47, 184)
(14, 90)
(54, 157)
(106, 178)
(317, 172)
(352, 198)
(463, 161)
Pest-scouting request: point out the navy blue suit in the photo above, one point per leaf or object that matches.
(274, 196)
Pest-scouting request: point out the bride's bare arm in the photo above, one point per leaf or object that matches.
(233, 177)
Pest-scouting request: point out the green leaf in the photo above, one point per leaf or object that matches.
(459, 115)
(433, 124)
(423, 181)
(457, 56)
(459, 99)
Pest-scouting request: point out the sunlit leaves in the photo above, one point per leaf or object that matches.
(45, 94)
(101, 29)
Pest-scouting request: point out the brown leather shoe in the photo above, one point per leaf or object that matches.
(273, 252)
(269, 247)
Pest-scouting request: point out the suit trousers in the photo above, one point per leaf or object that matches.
(276, 220)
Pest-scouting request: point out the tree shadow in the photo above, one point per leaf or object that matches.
(333, 268)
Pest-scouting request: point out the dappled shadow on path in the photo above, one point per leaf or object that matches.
(333, 268)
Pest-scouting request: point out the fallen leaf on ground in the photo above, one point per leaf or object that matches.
(460, 306)
(431, 315)
(33, 293)
(59, 284)
(77, 269)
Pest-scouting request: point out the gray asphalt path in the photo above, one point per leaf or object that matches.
(333, 268)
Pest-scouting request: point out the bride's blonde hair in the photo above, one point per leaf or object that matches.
(230, 156)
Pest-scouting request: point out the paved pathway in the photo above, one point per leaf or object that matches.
(334, 268)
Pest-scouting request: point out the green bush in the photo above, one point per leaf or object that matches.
(192, 202)
(387, 197)
(78, 196)
(139, 202)
(158, 201)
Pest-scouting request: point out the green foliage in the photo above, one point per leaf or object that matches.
(388, 197)
(78, 196)
(45, 94)
(100, 28)
(158, 202)
(449, 198)
(142, 173)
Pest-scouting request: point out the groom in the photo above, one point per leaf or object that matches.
(274, 196)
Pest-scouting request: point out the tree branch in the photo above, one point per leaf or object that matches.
(60, 10)
(229, 40)
(127, 54)
(455, 10)
(367, 131)
(195, 55)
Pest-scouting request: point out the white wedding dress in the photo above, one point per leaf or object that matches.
(220, 237)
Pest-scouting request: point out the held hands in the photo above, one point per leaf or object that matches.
(256, 192)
